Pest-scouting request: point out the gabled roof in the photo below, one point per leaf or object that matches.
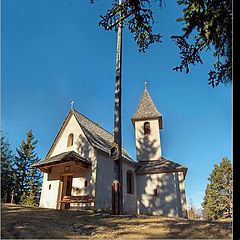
(98, 137)
(61, 158)
(146, 109)
(160, 166)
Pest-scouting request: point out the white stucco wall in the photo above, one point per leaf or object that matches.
(148, 147)
(169, 200)
(129, 200)
(183, 195)
(80, 142)
(104, 180)
(49, 197)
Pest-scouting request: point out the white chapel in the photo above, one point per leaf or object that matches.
(79, 172)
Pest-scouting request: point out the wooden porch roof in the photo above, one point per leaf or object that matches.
(62, 158)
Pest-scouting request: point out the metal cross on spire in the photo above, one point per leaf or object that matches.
(145, 85)
(72, 103)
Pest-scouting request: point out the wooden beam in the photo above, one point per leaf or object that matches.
(81, 164)
(46, 169)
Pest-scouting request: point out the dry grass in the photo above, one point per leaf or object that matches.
(38, 223)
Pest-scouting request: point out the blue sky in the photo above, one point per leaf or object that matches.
(53, 51)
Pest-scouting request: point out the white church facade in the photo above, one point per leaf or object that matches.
(78, 170)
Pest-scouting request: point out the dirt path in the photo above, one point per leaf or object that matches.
(36, 223)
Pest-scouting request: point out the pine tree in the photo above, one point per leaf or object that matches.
(7, 172)
(207, 25)
(218, 194)
(28, 178)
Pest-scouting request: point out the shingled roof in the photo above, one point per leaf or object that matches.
(146, 109)
(158, 166)
(100, 138)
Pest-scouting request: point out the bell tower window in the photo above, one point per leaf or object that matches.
(146, 128)
(70, 140)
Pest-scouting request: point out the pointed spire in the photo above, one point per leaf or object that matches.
(146, 108)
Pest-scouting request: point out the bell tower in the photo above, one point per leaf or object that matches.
(147, 122)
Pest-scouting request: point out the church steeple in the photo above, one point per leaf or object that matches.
(146, 109)
(147, 121)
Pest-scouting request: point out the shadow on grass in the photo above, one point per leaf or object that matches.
(195, 229)
(37, 223)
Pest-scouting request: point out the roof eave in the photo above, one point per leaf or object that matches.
(50, 164)
(184, 170)
(69, 157)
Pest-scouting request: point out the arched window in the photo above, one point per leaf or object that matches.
(146, 128)
(130, 182)
(70, 140)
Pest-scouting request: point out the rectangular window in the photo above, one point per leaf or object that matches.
(155, 192)
(130, 182)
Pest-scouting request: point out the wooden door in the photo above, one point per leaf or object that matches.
(66, 189)
(115, 197)
(68, 185)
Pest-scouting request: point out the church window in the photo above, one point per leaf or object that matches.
(130, 182)
(85, 183)
(147, 128)
(156, 192)
(70, 140)
(49, 187)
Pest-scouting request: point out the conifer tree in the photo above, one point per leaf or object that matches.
(7, 172)
(218, 194)
(28, 178)
(207, 25)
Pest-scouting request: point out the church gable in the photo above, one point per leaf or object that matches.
(71, 138)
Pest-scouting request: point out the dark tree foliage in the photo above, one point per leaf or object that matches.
(7, 172)
(137, 16)
(217, 202)
(207, 24)
(28, 178)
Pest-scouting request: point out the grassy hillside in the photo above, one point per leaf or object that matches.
(37, 223)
